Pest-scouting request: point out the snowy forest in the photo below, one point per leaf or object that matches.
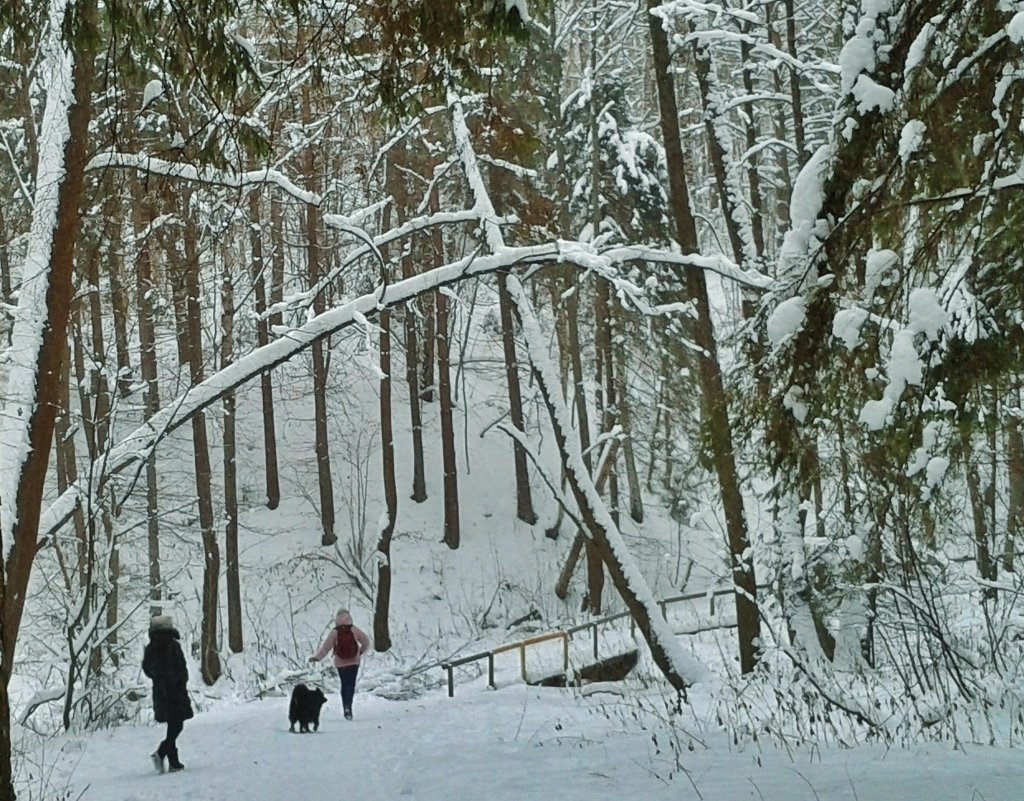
(486, 318)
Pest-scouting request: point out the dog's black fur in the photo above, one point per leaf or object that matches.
(305, 708)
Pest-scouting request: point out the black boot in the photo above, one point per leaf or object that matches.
(173, 763)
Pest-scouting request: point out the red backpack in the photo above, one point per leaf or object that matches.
(345, 645)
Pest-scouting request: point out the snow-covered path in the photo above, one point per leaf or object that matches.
(516, 744)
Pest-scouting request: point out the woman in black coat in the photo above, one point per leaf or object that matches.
(164, 663)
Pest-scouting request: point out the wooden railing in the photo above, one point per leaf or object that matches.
(567, 634)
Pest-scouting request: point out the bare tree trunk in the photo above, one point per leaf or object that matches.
(382, 605)
(876, 567)
(429, 340)
(382, 600)
(67, 466)
(992, 425)
(606, 404)
(565, 575)
(320, 358)
(718, 146)
(5, 262)
(179, 297)
(450, 468)
(750, 129)
(799, 136)
(259, 283)
(714, 399)
(276, 259)
(412, 349)
(1015, 469)
(982, 552)
(524, 495)
(145, 288)
(100, 415)
(595, 574)
(444, 393)
(227, 348)
(119, 308)
(209, 657)
(636, 502)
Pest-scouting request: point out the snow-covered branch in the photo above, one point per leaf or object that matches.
(137, 446)
(203, 175)
(421, 223)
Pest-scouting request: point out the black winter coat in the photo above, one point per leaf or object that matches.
(164, 663)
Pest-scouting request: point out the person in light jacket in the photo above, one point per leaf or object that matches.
(164, 663)
(348, 642)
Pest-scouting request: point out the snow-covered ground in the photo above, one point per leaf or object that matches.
(514, 744)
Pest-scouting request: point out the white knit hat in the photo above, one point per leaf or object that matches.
(161, 622)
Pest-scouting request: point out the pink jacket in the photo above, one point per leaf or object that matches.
(332, 636)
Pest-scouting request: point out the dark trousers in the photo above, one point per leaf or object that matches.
(348, 675)
(169, 747)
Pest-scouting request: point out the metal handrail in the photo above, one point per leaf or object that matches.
(566, 634)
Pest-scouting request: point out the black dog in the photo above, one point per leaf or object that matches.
(305, 708)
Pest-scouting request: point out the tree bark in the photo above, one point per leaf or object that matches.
(67, 466)
(565, 576)
(320, 358)
(412, 349)
(119, 309)
(444, 392)
(982, 551)
(429, 340)
(607, 408)
(382, 605)
(5, 262)
(259, 283)
(595, 571)
(524, 495)
(227, 347)
(750, 131)
(99, 414)
(636, 501)
(145, 289)
(799, 136)
(1015, 469)
(382, 600)
(209, 657)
